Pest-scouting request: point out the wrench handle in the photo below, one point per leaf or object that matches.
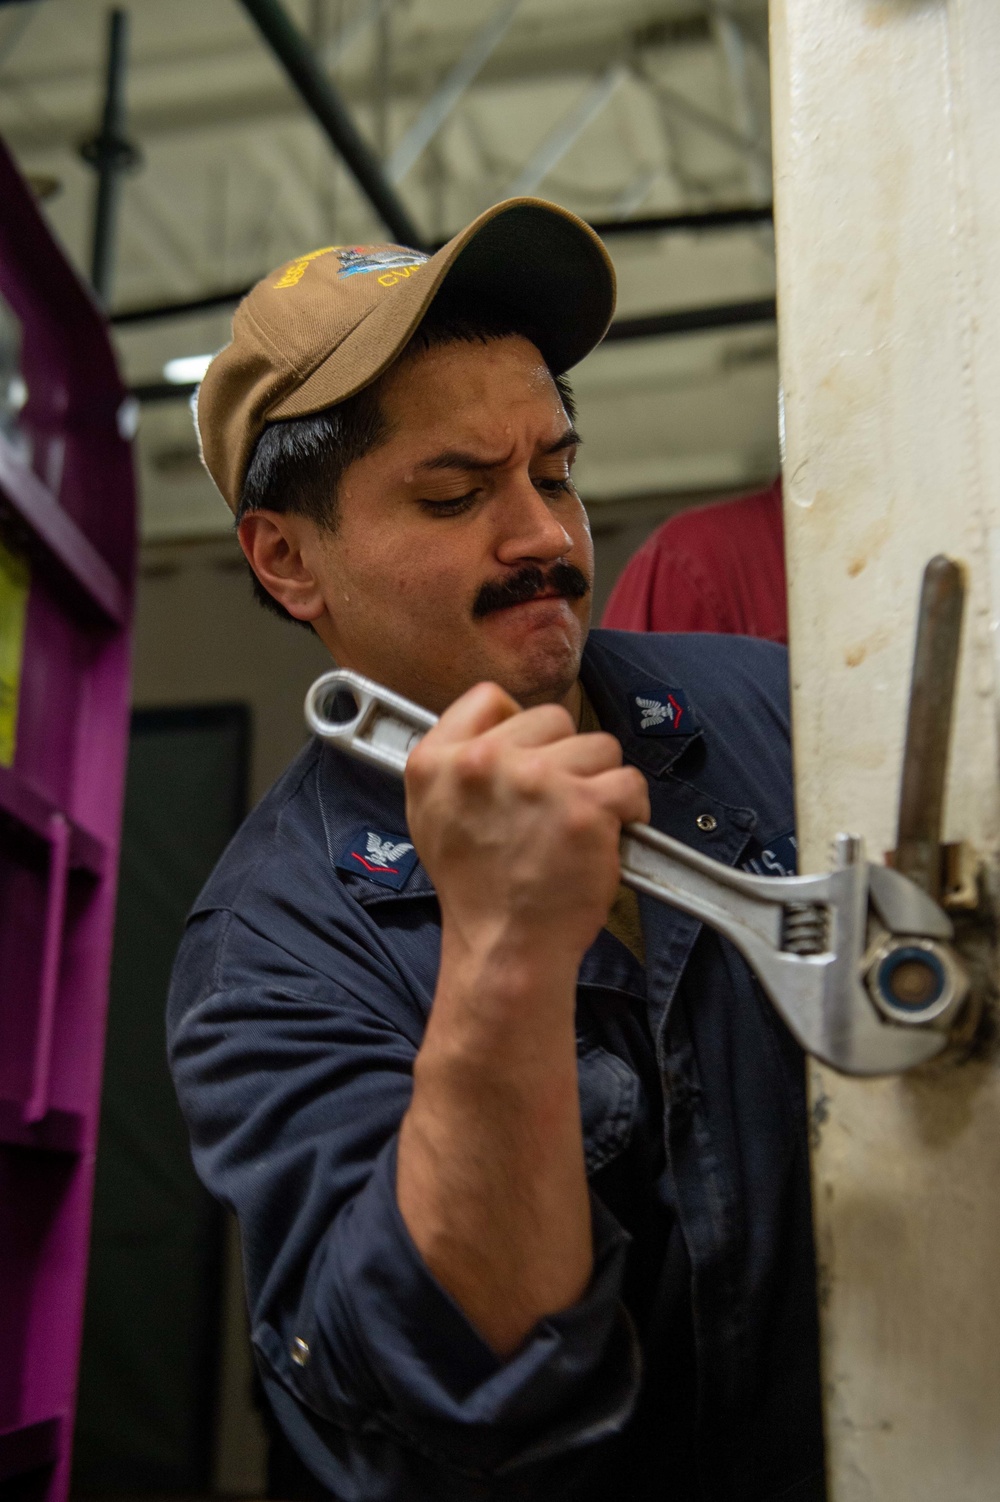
(375, 725)
(818, 993)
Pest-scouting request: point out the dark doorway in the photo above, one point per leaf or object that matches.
(152, 1327)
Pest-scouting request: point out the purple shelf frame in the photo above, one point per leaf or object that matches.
(68, 504)
(60, 548)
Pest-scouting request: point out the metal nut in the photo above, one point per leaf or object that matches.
(917, 982)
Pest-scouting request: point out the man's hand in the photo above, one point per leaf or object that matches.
(517, 820)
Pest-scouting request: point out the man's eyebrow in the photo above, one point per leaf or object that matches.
(569, 440)
(461, 459)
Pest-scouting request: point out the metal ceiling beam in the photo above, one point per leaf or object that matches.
(635, 193)
(450, 91)
(649, 326)
(730, 38)
(730, 315)
(317, 92)
(709, 221)
(566, 133)
(111, 155)
(528, 57)
(353, 32)
(684, 109)
(700, 222)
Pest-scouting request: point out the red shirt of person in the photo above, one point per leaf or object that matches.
(714, 568)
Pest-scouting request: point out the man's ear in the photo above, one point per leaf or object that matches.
(277, 545)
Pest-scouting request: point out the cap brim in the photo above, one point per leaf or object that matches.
(532, 260)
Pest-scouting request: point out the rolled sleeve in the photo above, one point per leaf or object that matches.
(430, 1374)
(294, 1088)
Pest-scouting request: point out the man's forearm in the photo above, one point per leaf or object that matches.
(491, 1178)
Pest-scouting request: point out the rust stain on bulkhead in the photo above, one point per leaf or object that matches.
(875, 641)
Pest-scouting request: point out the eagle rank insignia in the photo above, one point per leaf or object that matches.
(385, 858)
(662, 711)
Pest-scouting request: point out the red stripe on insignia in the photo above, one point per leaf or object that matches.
(361, 858)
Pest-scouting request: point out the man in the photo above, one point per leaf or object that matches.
(519, 1159)
(712, 568)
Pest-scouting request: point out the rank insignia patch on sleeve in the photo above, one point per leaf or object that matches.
(385, 858)
(662, 711)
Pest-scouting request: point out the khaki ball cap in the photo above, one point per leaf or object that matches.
(328, 323)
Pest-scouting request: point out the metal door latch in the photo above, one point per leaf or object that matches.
(856, 961)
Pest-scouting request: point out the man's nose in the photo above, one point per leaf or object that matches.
(530, 532)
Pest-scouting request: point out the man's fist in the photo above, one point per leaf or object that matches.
(517, 819)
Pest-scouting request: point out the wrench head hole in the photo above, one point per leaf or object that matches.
(339, 706)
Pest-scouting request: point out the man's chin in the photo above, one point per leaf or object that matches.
(538, 665)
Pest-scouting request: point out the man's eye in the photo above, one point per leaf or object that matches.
(451, 507)
(555, 487)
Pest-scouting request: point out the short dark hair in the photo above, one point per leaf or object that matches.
(297, 465)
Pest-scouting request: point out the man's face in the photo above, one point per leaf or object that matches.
(462, 551)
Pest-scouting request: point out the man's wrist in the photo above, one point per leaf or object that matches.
(505, 965)
(502, 999)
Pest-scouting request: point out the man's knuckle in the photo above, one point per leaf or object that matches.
(494, 697)
(474, 762)
(529, 775)
(580, 818)
(610, 747)
(420, 765)
(550, 721)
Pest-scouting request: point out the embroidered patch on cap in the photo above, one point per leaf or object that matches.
(662, 711)
(381, 857)
(396, 261)
(779, 857)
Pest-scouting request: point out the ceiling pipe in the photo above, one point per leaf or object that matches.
(297, 57)
(730, 315)
(708, 221)
(648, 326)
(111, 155)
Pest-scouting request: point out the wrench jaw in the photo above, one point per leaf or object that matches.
(858, 1039)
(822, 998)
(811, 940)
(849, 1007)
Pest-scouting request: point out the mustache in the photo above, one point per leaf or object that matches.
(565, 579)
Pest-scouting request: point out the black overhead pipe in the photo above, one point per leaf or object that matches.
(111, 154)
(741, 217)
(731, 315)
(318, 94)
(709, 220)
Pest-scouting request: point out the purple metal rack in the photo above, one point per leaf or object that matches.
(67, 505)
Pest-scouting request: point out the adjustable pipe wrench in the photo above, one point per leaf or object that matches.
(856, 961)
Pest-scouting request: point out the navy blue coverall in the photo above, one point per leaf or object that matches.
(689, 1369)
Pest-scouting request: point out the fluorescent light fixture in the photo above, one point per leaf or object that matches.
(187, 368)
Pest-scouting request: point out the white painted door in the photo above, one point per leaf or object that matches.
(887, 180)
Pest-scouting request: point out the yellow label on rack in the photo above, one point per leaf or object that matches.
(15, 583)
